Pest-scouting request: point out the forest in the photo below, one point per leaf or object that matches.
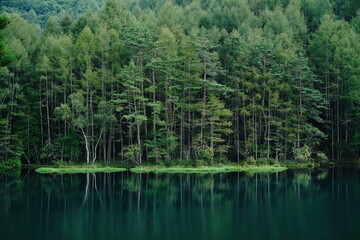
(198, 82)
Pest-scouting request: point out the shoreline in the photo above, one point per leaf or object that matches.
(71, 170)
(176, 169)
(207, 169)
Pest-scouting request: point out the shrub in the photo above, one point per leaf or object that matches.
(250, 160)
(132, 153)
(188, 162)
(58, 163)
(223, 160)
(200, 162)
(302, 154)
(167, 163)
(310, 165)
(265, 161)
(11, 164)
(51, 151)
(321, 158)
(205, 154)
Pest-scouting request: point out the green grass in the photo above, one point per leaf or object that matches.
(61, 170)
(253, 169)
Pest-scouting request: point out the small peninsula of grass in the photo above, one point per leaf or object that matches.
(69, 170)
(206, 169)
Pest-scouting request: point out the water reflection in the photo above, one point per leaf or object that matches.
(288, 205)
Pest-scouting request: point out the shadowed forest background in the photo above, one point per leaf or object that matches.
(209, 81)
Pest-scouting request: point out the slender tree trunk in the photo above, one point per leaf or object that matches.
(154, 109)
(244, 119)
(86, 145)
(269, 127)
(28, 135)
(237, 134)
(338, 119)
(96, 145)
(138, 134)
(41, 114)
(121, 139)
(92, 125)
(203, 108)
(166, 107)
(181, 132)
(47, 91)
(143, 102)
(212, 134)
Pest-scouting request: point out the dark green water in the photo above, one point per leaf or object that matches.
(289, 205)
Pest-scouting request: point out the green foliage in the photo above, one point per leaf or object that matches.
(216, 118)
(4, 58)
(265, 161)
(167, 82)
(335, 54)
(321, 158)
(132, 153)
(205, 154)
(76, 114)
(70, 146)
(250, 160)
(302, 155)
(11, 164)
(38, 11)
(11, 149)
(48, 151)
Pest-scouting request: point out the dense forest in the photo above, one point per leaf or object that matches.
(182, 81)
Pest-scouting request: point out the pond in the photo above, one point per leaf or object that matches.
(294, 204)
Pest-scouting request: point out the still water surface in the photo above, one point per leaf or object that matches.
(321, 204)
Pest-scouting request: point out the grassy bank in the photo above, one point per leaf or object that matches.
(63, 170)
(119, 167)
(206, 169)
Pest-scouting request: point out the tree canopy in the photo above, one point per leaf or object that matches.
(200, 81)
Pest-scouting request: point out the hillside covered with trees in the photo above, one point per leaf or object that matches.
(190, 81)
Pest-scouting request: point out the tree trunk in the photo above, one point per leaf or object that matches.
(86, 145)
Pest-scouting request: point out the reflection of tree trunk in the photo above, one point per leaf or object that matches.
(48, 208)
(268, 188)
(86, 189)
(256, 188)
(97, 192)
(155, 195)
(139, 193)
(212, 195)
(93, 187)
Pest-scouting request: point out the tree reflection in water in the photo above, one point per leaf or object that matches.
(175, 206)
